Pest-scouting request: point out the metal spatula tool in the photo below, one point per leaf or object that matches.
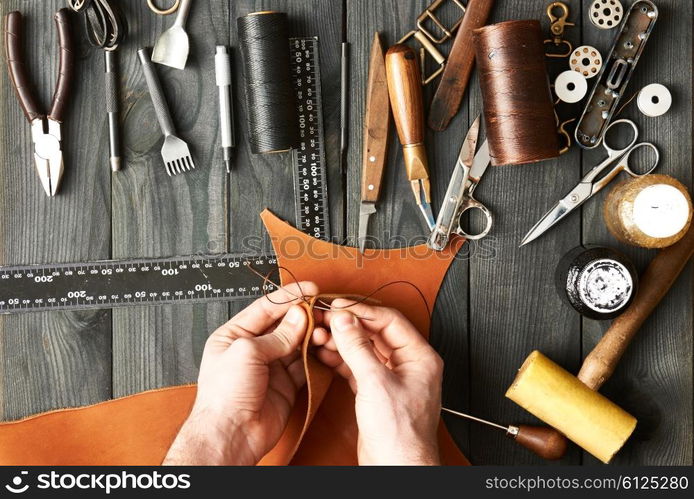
(174, 152)
(172, 45)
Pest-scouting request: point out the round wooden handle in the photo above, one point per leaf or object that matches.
(654, 285)
(405, 90)
(546, 442)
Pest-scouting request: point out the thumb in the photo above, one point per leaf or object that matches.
(353, 345)
(286, 337)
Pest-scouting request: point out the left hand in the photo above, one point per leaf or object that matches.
(250, 373)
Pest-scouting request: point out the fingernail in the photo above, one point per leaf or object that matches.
(294, 315)
(343, 320)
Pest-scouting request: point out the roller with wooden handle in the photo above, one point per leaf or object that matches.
(405, 91)
(571, 404)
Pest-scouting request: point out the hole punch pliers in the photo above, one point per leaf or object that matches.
(45, 129)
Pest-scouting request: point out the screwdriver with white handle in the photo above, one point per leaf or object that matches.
(222, 66)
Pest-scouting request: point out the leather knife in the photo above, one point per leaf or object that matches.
(375, 146)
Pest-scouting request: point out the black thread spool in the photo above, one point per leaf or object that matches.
(270, 101)
(600, 283)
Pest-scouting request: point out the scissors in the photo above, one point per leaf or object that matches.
(459, 196)
(591, 184)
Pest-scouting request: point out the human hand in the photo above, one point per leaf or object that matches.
(396, 376)
(250, 373)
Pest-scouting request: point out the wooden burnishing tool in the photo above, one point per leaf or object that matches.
(571, 404)
(405, 91)
(544, 442)
(458, 69)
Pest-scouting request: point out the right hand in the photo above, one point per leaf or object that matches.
(396, 376)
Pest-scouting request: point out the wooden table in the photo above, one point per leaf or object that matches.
(495, 307)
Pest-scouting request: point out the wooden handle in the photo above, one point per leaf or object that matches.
(405, 90)
(655, 283)
(546, 442)
(461, 60)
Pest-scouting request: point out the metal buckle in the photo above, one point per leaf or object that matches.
(557, 25)
(428, 40)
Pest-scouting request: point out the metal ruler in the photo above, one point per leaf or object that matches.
(310, 179)
(118, 283)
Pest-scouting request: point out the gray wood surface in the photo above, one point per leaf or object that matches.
(498, 301)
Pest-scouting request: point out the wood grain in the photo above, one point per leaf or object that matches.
(405, 90)
(52, 360)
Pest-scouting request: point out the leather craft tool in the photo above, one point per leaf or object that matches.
(518, 111)
(46, 130)
(599, 283)
(174, 151)
(571, 404)
(163, 12)
(376, 131)
(172, 45)
(459, 198)
(405, 90)
(651, 212)
(429, 39)
(605, 14)
(557, 25)
(222, 71)
(458, 68)
(544, 442)
(594, 181)
(310, 168)
(614, 76)
(106, 29)
(140, 428)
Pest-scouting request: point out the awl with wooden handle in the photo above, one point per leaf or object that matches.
(375, 147)
(405, 90)
(543, 441)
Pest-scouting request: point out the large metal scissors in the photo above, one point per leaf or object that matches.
(594, 181)
(459, 196)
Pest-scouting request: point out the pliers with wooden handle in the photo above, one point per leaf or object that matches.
(45, 129)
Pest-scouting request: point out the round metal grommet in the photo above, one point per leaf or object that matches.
(163, 12)
(605, 14)
(570, 87)
(654, 100)
(586, 60)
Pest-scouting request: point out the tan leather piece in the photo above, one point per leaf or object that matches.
(322, 428)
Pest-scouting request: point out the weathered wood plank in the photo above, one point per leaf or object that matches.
(156, 215)
(398, 221)
(654, 378)
(53, 360)
(514, 308)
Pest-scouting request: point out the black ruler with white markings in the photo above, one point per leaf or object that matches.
(310, 178)
(118, 283)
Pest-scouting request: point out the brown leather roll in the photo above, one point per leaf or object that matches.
(16, 67)
(67, 65)
(518, 110)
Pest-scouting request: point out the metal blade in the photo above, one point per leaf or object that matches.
(365, 212)
(481, 161)
(467, 151)
(428, 214)
(551, 218)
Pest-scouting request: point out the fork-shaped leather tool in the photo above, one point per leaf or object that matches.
(174, 152)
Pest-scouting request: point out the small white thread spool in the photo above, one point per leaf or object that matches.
(654, 100)
(570, 86)
(653, 211)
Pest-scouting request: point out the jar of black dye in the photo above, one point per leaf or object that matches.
(598, 282)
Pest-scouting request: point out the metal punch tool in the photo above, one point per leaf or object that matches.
(45, 129)
(459, 196)
(595, 180)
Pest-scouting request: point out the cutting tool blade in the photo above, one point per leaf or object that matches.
(467, 151)
(365, 211)
(481, 161)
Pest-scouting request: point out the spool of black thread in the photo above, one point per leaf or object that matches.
(598, 282)
(270, 101)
